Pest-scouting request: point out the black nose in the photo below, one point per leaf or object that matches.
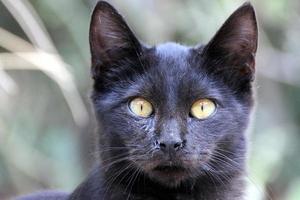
(170, 145)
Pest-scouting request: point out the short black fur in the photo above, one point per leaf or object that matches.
(210, 164)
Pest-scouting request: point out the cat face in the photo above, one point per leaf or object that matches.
(173, 112)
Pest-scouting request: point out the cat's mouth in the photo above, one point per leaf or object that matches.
(170, 175)
(170, 170)
(167, 168)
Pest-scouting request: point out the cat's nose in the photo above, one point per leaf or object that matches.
(170, 145)
(170, 136)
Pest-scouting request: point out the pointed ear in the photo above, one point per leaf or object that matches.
(110, 38)
(234, 46)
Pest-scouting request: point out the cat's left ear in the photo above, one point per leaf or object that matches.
(234, 46)
(111, 40)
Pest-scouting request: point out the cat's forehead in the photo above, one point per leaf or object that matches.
(172, 58)
(174, 75)
(171, 50)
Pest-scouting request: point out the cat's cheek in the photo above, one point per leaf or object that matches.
(196, 156)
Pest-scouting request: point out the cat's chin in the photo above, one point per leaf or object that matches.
(170, 176)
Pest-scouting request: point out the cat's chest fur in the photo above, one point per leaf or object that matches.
(207, 194)
(96, 187)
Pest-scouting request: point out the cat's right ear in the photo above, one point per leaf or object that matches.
(110, 38)
(232, 50)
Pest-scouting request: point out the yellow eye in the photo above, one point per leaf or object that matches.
(203, 108)
(141, 107)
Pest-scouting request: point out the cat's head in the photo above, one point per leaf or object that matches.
(171, 111)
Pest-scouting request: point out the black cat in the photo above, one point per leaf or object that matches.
(172, 119)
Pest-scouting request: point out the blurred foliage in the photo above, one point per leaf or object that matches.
(45, 138)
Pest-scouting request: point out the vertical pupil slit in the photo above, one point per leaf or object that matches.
(202, 107)
(141, 107)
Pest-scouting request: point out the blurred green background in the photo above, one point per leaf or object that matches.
(45, 117)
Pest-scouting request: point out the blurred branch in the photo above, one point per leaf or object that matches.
(6, 82)
(30, 22)
(51, 64)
